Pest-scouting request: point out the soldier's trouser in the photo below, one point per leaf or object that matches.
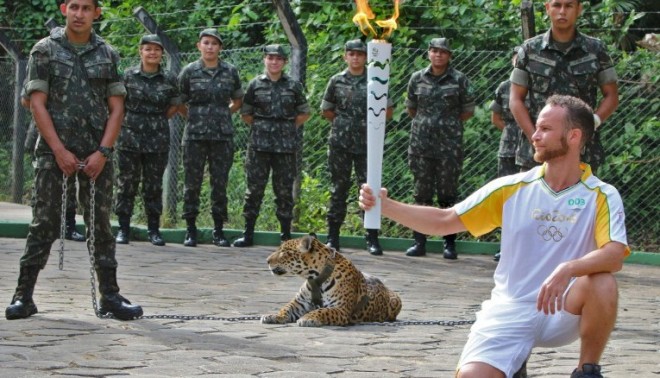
(340, 164)
(435, 177)
(46, 214)
(507, 166)
(220, 156)
(594, 154)
(135, 167)
(257, 168)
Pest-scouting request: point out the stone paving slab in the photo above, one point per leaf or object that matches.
(66, 339)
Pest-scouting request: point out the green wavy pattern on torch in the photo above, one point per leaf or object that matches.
(378, 97)
(382, 81)
(380, 65)
(373, 111)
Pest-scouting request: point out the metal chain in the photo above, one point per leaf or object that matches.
(91, 247)
(401, 323)
(65, 187)
(202, 317)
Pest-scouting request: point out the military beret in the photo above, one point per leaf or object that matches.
(211, 33)
(440, 43)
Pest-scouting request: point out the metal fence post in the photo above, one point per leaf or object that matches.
(20, 116)
(171, 172)
(527, 19)
(298, 71)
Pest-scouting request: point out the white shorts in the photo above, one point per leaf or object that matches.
(505, 333)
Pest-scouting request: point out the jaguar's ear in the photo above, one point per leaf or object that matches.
(306, 243)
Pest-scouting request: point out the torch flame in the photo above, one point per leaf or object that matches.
(364, 13)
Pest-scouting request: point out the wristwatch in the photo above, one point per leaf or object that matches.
(106, 151)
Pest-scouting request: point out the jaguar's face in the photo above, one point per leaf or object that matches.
(303, 257)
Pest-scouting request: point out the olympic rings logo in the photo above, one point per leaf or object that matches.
(550, 233)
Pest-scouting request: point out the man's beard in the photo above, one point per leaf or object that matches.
(548, 154)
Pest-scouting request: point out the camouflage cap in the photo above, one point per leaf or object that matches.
(275, 50)
(440, 43)
(211, 33)
(151, 38)
(355, 45)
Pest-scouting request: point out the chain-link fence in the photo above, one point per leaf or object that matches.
(630, 138)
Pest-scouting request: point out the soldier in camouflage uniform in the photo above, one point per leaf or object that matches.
(562, 61)
(274, 106)
(144, 141)
(70, 232)
(439, 101)
(502, 118)
(77, 100)
(345, 105)
(212, 91)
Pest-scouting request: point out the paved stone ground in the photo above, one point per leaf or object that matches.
(66, 339)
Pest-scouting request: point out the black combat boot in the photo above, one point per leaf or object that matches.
(191, 234)
(111, 302)
(123, 235)
(70, 232)
(588, 371)
(419, 248)
(373, 245)
(450, 247)
(22, 304)
(333, 235)
(153, 225)
(219, 238)
(248, 235)
(285, 228)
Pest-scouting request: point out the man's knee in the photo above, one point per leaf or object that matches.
(599, 288)
(603, 283)
(479, 370)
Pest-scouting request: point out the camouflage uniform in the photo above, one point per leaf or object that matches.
(60, 69)
(30, 144)
(144, 141)
(273, 142)
(435, 152)
(544, 69)
(510, 139)
(208, 135)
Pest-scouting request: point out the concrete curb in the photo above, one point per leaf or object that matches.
(19, 229)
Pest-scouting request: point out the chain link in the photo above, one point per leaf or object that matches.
(65, 188)
(401, 323)
(202, 317)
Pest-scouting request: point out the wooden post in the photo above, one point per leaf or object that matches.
(298, 71)
(171, 177)
(527, 19)
(20, 118)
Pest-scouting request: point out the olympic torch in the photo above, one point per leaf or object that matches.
(379, 53)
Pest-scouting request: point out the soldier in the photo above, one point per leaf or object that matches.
(144, 141)
(562, 61)
(502, 118)
(345, 106)
(212, 91)
(77, 100)
(70, 232)
(439, 101)
(274, 106)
